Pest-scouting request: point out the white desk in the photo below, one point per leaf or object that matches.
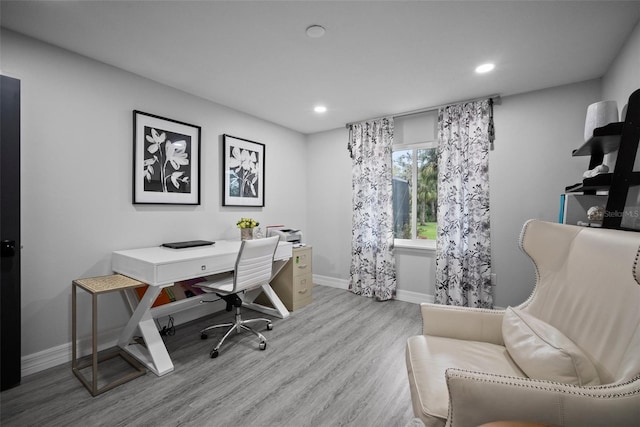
(161, 267)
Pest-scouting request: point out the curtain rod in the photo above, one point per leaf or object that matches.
(496, 101)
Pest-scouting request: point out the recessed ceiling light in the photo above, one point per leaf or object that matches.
(485, 68)
(315, 31)
(320, 109)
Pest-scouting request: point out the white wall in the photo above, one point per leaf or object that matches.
(76, 179)
(623, 76)
(529, 169)
(329, 204)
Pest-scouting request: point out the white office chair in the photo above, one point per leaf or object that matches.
(253, 268)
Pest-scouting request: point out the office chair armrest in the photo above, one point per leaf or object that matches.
(464, 323)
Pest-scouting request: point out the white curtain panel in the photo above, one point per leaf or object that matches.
(373, 270)
(463, 254)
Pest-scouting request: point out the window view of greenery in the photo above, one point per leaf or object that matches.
(415, 193)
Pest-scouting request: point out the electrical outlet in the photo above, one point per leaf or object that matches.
(493, 279)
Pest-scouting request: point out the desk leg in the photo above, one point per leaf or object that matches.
(278, 265)
(155, 356)
(279, 311)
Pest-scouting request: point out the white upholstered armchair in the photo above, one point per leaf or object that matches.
(568, 356)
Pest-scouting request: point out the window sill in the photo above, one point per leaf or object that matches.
(418, 244)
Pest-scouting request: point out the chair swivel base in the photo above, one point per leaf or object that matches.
(239, 325)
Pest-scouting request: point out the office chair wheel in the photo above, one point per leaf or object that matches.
(204, 336)
(213, 354)
(269, 326)
(262, 345)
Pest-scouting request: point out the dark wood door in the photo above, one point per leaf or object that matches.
(10, 231)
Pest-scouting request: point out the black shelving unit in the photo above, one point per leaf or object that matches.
(621, 136)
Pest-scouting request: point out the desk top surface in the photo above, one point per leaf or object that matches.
(163, 255)
(160, 265)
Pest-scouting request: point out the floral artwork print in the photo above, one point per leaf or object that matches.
(166, 161)
(373, 270)
(463, 250)
(243, 172)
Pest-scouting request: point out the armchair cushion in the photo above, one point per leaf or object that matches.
(428, 357)
(545, 353)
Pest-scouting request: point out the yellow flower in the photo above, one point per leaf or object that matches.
(247, 223)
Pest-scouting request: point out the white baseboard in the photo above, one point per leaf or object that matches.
(330, 281)
(58, 355)
(414, 297)
(401, 295)
(61, 354)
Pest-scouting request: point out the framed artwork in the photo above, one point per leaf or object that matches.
(166, 161)
(243, 172)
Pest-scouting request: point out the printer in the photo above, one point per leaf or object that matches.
(286, 234)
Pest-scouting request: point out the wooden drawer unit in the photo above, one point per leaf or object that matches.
(301, 261)
(297, 293)
(294, 283)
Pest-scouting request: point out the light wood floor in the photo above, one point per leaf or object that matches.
(336, 362)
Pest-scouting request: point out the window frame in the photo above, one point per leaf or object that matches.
(414, 243)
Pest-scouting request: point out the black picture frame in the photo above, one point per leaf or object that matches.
(243, 172)
(166, 160)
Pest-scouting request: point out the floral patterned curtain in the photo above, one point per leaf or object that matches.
(373, 270)
(463, 254)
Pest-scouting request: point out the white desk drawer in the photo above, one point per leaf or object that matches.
(183, 270)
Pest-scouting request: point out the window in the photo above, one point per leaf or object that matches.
(415, 182)
(415, 192)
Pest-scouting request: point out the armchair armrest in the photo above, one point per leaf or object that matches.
(499, 397)
(464, 323)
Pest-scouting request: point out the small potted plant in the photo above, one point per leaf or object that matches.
(246, 226)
